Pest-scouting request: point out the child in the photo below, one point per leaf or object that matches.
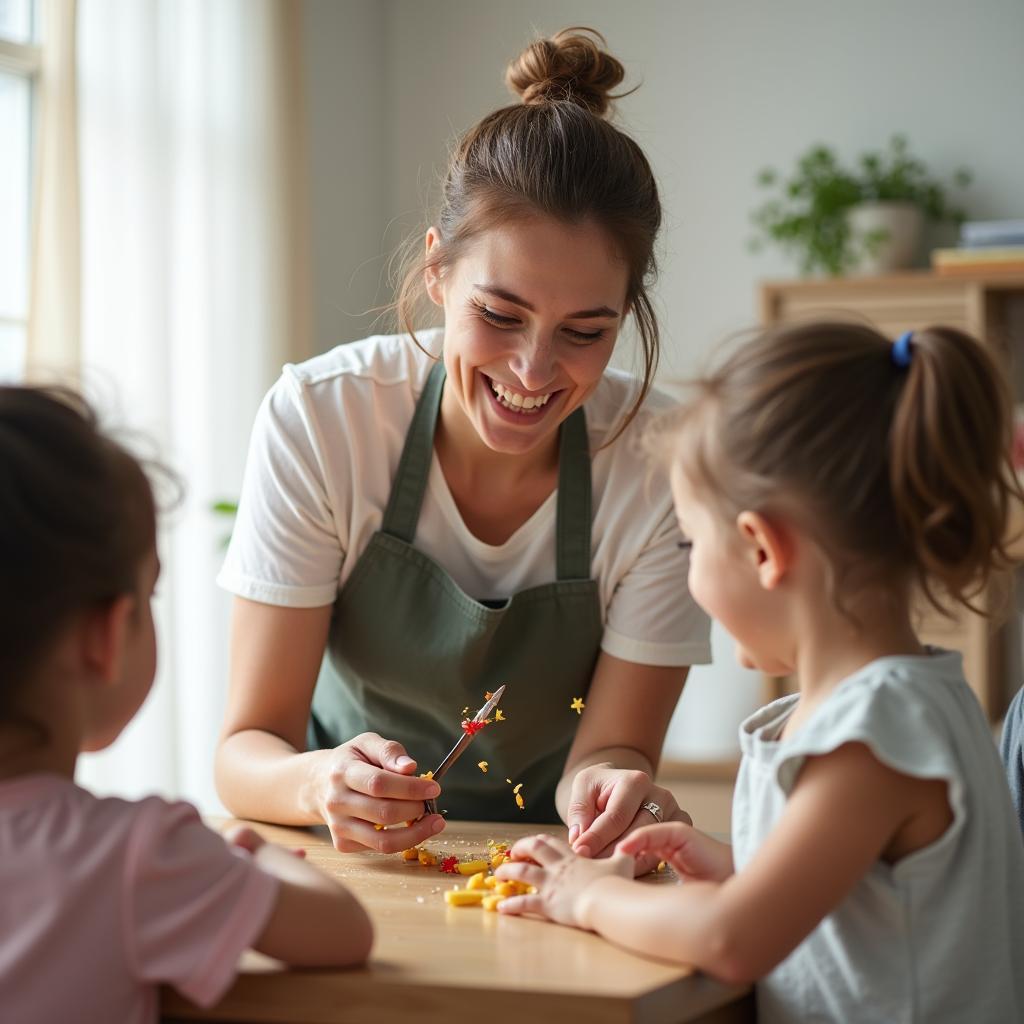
(822, 476)
(103, 900)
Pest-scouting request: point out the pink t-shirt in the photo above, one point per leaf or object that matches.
(103, 900)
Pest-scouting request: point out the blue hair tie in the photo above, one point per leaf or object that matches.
(901, 351)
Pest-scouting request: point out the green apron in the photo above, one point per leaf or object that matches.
(408, 649)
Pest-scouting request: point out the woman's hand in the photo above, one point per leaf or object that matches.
(369, 781)
(691, 854)
(606, 805)
(558, 874)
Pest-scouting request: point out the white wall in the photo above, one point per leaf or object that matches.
(347, 98)
(727, 87)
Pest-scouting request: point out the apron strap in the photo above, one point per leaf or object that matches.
(572, 538)
(574, 499)
(403, 511)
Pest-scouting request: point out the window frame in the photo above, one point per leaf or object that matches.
(25, 60)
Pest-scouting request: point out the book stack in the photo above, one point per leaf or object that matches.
(986, 246)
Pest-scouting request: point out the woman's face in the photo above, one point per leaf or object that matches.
(532, 310)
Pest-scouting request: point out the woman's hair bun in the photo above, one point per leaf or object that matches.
(572, 65)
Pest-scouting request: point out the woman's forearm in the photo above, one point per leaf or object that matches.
(260, 776)
(616, 757)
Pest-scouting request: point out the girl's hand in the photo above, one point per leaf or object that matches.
(605, 806)
(559, 876)
(369, 781)
(244, 837)
(691, 854)
(249, 839)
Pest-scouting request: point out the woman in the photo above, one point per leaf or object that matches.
(443, 526)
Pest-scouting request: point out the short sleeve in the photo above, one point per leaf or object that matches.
(286, 546)
(884, 713)
(193, 903)
(652, 619)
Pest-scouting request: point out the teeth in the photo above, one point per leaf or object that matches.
(516, 402)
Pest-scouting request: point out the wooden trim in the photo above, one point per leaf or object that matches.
(20, 58)
(699, 771)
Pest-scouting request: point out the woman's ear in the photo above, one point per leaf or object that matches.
(431, 274)
(104, 636)
(769, 543)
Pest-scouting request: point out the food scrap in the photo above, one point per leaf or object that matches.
(498, 716)
(465, 710)
(577, 705)
(471, 728)
(483, 888)
(482, 765)
(426, 775)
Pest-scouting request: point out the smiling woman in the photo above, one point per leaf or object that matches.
(427, 516)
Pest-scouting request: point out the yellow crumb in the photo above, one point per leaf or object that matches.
(411, 854)
(464, 897)
(491, 902)
(577, 705)
(427, 775)
(477, 881)
(427, 858)
(482, 765)
(498, 716)
(519, 802)
(518, 787)
(471, 867)
(497, 860)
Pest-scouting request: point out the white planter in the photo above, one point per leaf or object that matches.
(901, 223)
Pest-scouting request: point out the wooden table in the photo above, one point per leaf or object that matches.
(435, 964)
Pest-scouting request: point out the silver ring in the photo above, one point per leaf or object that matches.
(654, 809)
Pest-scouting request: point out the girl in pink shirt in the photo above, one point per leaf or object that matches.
(101, 901)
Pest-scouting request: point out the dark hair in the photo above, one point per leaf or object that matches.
(77, 518)
(553, 155)
(900, 472)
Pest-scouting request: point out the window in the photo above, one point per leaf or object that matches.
(19, 65)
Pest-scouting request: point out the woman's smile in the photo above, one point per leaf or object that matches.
(519, 407)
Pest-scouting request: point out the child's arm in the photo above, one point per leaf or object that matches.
(316, 921)
(840, 818)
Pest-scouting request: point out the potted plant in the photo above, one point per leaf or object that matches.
(867, 220)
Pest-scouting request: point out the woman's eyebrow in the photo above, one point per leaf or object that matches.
(583, 314)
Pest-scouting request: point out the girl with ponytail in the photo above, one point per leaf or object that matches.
(823, 476)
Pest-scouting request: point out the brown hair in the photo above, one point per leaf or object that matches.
(77, 519)
(902, 472)
(552, 155)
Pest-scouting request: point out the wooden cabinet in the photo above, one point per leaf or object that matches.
(991, 307)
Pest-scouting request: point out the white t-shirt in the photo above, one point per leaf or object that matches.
(325, 448)
(938, 937)
(102, 901)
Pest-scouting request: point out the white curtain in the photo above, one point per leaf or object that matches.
(193, 294)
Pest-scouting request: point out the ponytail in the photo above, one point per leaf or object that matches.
(950, 470)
